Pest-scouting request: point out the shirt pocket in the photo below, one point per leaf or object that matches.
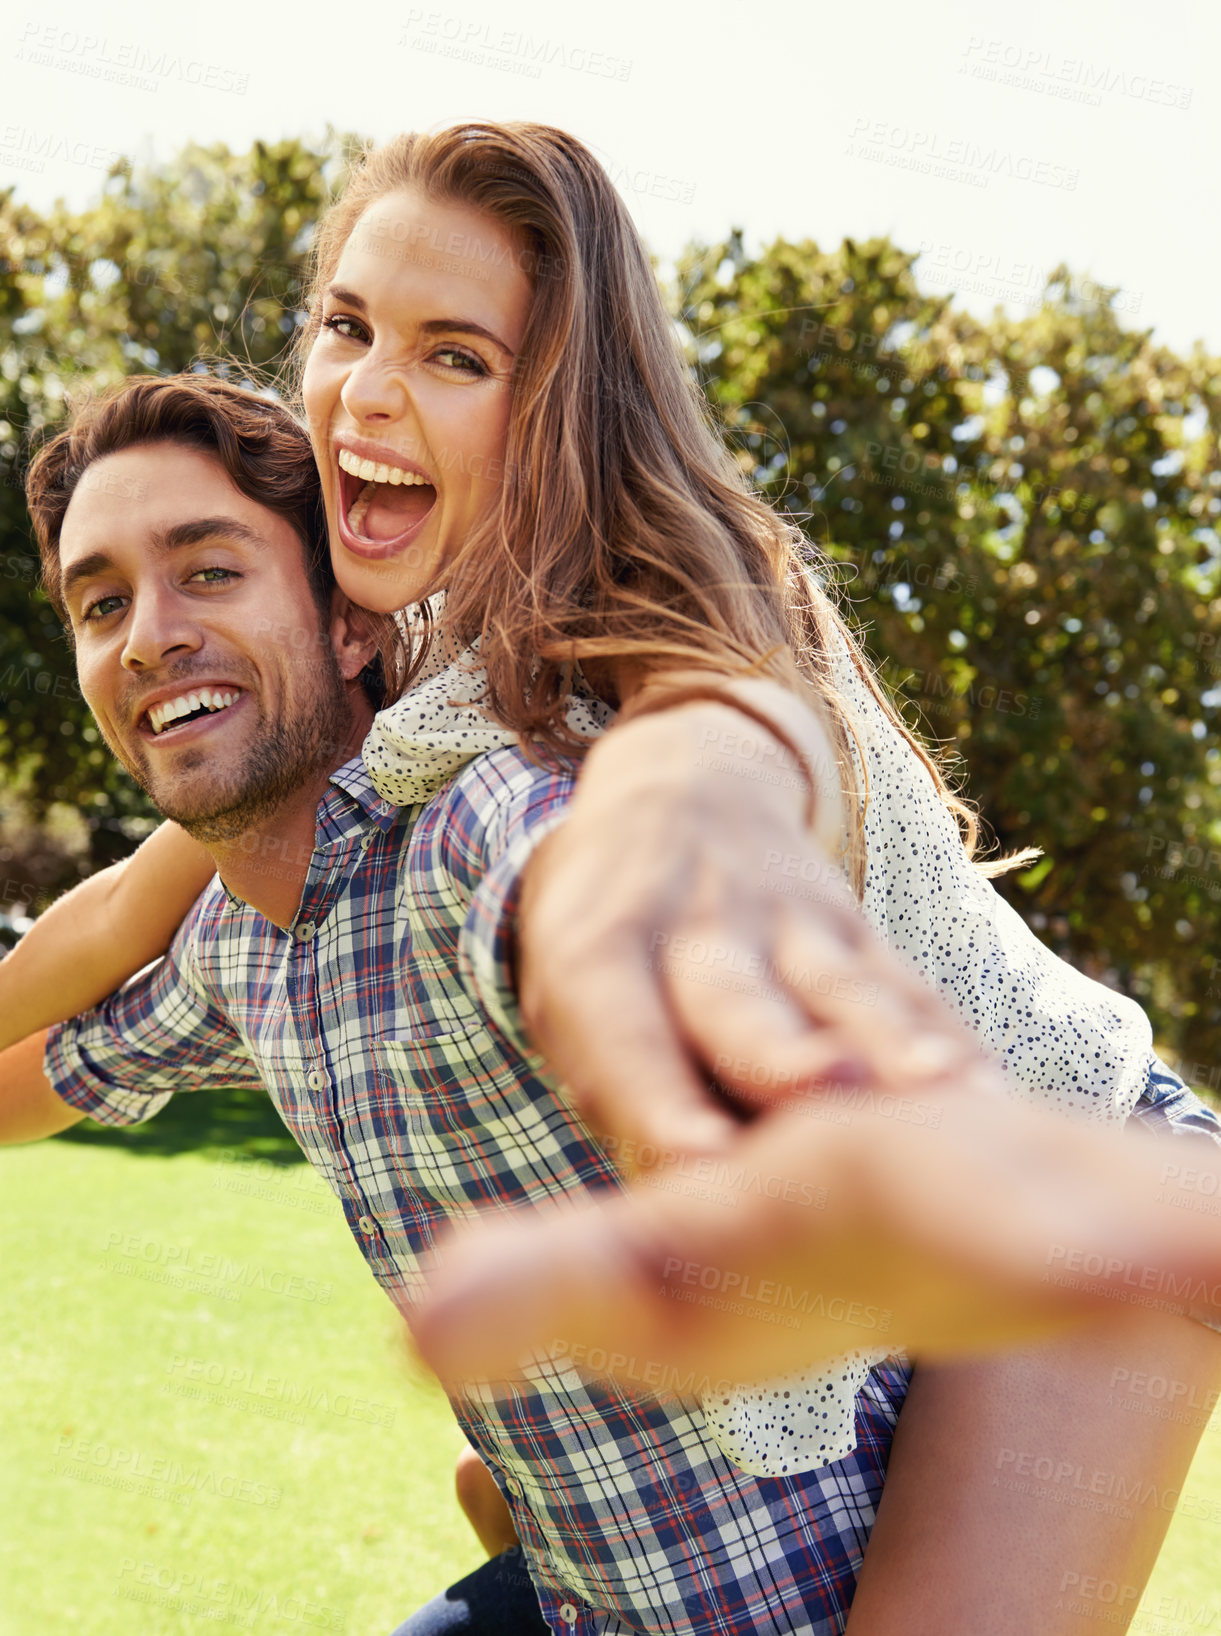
(468, 1131)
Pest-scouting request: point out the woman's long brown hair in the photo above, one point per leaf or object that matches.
(626, 529)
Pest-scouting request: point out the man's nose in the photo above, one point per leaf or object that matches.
(160, 627)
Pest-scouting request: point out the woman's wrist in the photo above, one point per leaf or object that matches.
(758, 729)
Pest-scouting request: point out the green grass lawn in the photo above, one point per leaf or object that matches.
(244, 1448)
(210, 1422)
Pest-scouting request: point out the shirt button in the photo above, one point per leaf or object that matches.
(366, 1224)
(304, 931)
(513, 1485)
(366, 840)
(568, 1614)
(315, 1079)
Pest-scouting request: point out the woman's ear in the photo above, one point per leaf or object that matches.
(353, 636)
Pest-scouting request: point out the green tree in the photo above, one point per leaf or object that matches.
(1020, 514)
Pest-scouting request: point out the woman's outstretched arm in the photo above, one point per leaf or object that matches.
(100, 933)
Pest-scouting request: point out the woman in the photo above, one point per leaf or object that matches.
(499, 412)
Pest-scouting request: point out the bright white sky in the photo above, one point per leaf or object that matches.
(1088, 132)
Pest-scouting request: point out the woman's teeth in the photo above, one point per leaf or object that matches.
(356, 512)
(370, 471)
(186, 704)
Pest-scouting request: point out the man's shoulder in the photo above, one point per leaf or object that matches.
(494, 797)
(509, 771)
(499, 787)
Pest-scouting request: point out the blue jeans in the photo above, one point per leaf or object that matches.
(498, 1599)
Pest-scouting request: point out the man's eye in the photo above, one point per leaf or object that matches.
(350, 328)
(102, 607)
(215, 576)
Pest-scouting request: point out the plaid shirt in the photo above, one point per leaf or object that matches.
(384, 1025)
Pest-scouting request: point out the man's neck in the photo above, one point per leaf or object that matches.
(267, 864)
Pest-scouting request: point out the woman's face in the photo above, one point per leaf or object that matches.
(407, 391)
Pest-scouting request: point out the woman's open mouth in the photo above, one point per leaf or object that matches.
(382, 504)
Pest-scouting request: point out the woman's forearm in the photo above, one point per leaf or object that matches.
(1019, 1487)
(100, 933)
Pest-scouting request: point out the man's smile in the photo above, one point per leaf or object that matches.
(188, 710)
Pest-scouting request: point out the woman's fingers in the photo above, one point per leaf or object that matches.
(604, 1027)
(809, 1010)
(1002, 1224)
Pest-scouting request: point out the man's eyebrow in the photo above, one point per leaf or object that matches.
(433, 326)
(178, 537)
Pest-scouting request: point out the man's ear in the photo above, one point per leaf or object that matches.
(353, 638)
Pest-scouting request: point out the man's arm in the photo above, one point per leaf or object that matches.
(29, 1107)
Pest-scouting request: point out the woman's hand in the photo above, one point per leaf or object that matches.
(682, 926)
(948, 1226)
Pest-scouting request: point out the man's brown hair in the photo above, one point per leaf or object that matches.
(263, 449)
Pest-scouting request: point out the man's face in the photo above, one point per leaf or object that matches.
(199, 647)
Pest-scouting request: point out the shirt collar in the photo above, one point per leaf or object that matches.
(349, 806)
(352, 781)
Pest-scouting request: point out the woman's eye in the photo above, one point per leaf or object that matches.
(350, 328)
(462, 360)
(102, 607)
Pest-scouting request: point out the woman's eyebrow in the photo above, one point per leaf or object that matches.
(464, 326)
(347, 298)
(432, 326)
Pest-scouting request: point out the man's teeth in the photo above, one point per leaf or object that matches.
(369, 471)
(207, 698)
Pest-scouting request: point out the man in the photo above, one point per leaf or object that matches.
(297, 975)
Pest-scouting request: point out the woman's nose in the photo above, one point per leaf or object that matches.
(377, 390)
